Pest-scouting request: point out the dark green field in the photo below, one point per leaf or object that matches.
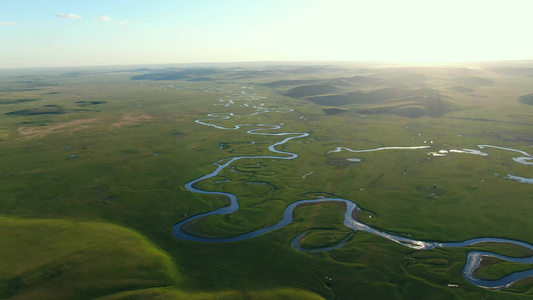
(94, 164)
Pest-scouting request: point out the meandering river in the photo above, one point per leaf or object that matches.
(473, 257)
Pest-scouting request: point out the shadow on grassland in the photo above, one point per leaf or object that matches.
(66, 259)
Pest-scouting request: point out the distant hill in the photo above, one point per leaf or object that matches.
(43, 110)
(339, 81)
(161, 76)
(334, 110)
(292, 82)
(363, 80)
(526, 99)
(309, 90)
(252, 73)
(515, 71)
(16, 101)
(314, 70)
(87, 103)
(375, 96)
(190, 74)
(399, 91)
(478, 81)
(404, 102)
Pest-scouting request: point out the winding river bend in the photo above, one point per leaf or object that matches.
(473, 257)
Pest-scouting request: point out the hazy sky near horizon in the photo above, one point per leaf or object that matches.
(116, 32)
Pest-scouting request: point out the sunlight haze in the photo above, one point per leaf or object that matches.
(84, 33)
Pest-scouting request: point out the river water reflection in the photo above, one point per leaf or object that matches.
(473, 257)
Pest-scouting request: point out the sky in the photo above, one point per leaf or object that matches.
(122, 32)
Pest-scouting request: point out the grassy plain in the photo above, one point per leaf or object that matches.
(97, 157)
(51, 259)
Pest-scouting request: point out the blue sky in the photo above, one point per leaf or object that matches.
(117, 32)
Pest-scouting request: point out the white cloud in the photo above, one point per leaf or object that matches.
(103, 18)
(8, 23)
(69, 16)
(122, 22)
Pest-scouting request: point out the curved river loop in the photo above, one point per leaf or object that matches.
(473, 257)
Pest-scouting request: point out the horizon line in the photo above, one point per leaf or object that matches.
(387, 62)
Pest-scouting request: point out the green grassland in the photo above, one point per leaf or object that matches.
(50, 259)
(94, 165)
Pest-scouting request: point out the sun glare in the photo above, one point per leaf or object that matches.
(410, 31)
(407, 31)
